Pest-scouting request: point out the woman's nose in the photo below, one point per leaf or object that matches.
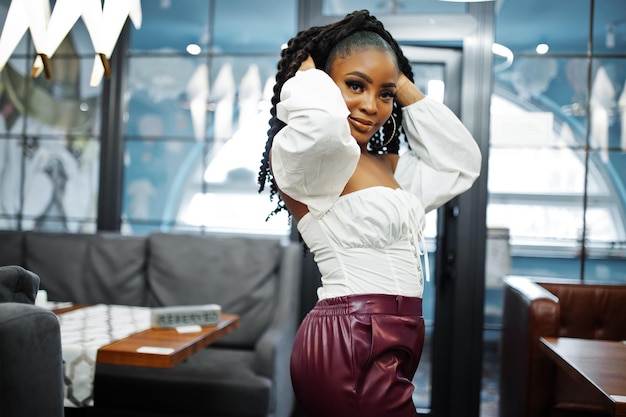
(368, 103)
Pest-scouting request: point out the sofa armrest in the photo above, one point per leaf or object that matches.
(273, 349)
(18, 285)
(31, 363)
(529, 312)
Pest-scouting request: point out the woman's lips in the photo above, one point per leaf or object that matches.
(361, 124)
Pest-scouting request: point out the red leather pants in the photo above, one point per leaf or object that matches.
(355, 356)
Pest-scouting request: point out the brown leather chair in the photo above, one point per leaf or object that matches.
(530, 384)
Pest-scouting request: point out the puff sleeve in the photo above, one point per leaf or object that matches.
(314, 155)
(444, 159)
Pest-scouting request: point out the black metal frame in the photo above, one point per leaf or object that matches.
(112, 139)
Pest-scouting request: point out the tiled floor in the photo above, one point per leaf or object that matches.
(489, 392)
(491, 375)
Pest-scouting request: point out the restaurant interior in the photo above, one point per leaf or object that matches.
(130, 147)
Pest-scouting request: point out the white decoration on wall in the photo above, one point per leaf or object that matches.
(198, 94)
(223, 95)
(249, 94)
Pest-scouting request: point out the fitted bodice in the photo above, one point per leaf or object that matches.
(368, 242)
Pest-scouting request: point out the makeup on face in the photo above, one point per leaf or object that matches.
(367, 79)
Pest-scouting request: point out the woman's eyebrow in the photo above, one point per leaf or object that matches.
(361, 75)
(369, 79)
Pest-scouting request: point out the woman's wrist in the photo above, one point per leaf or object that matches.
(407, 92)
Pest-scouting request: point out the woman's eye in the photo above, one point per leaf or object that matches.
(354, 85)
(388, 95)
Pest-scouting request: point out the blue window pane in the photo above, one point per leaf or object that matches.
(220, 193)
(606, 269)
(254, 27)
(66, 103)
(541, 86)
(11, 153)
(13, 97)
(172, 25)
(61, 178)
(606, 213)
(607, 105)
(609, 34)
(521, 25)
(152, 172)
(159, 92)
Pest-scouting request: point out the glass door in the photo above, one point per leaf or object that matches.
(437, 72)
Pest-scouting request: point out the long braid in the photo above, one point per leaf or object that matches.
(318, 42)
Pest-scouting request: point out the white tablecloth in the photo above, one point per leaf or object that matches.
(83, 332)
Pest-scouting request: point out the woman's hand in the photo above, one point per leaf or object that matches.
(403, 81)
(307, 64)
(408, 93)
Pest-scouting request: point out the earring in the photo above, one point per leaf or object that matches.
(395, 126)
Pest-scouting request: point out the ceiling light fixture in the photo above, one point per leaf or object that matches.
(48, 28)
(193, 49)
(542, 48)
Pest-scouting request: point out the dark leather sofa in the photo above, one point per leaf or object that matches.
(246, 373)
(31, 367)
(530, 384)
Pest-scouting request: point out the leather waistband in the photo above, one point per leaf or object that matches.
(369, 304)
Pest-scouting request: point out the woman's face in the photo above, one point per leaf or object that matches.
(367, 79)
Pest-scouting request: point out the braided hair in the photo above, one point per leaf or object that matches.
(320, 43)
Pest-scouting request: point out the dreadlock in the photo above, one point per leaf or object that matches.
(320, 43)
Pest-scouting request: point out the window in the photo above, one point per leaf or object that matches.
(49, 138)
(557, 166)
(198, 112)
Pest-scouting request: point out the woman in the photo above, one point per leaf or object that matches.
(332, 159)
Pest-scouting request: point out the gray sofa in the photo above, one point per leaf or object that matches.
(246, 373)
(30, 345)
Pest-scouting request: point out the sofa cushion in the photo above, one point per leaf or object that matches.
(89, 269)
(213, 382)
(238, 273)
(11, 247)
(18, 285)
(117, 269)
(59, 261)
(602, 316)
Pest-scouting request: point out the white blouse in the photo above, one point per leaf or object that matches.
(366, 241)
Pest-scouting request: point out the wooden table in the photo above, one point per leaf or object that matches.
(160, 348)
(164, 348)
(122, 335)
(599, 364)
